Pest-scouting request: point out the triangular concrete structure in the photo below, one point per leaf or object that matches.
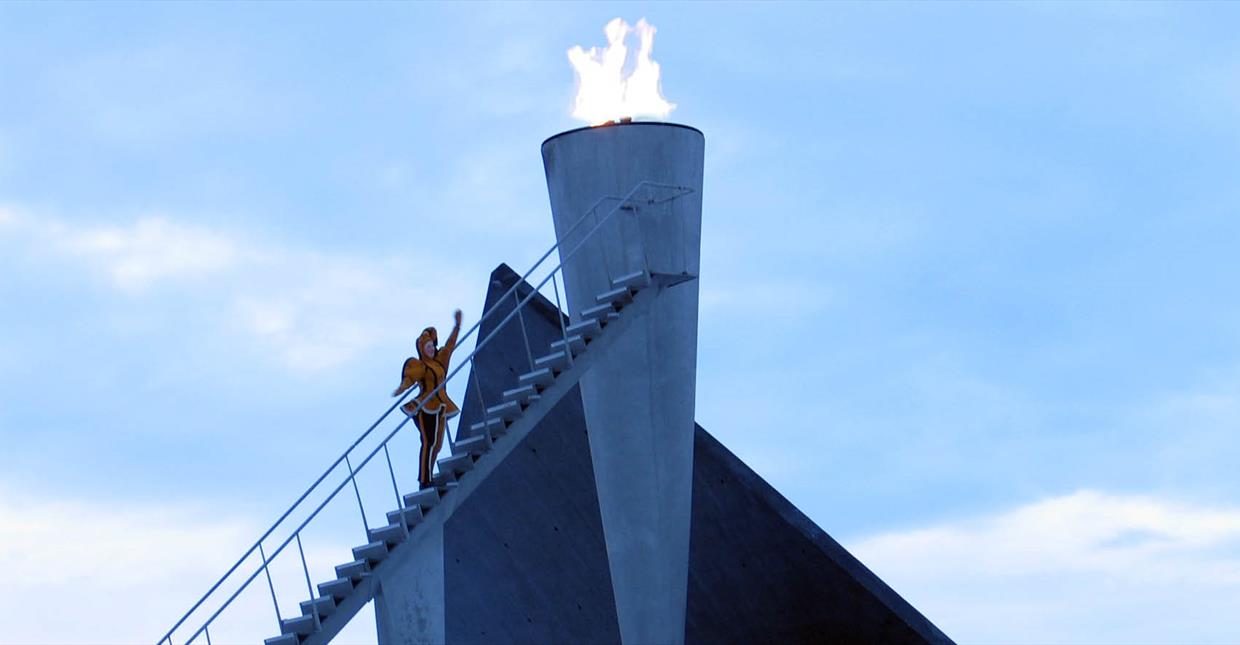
(525, 559)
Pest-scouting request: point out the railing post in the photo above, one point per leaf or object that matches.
(400, 503)
(314, 609)
(524, 335)
(395, 489)
(473, 373)
(641, 239)
(606, 255)
(270, 586)
(559, 316)
(358, 493)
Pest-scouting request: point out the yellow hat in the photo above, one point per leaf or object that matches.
(428, 333)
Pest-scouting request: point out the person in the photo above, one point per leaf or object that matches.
(428, 370)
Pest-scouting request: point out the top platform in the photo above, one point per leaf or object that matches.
(622, 125)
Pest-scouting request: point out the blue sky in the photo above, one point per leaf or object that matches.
(981, 258)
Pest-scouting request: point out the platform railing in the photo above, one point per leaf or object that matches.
(609, 206)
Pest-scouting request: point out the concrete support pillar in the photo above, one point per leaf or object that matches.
(409, 605)
(638, 400)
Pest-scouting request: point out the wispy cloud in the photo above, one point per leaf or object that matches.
(318, 311)
(133, 256)
(79, 558)
(311, 310)
(148, 563)
(1085, 567)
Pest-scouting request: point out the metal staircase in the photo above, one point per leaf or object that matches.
(476, 450)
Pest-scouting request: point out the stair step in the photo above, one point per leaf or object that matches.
(542, 377)
(424, 499)
(339, 588)
(283, 639)
(576, 343)
(413, 515)
(326, 606)
(555, 361)
(445, 486)
(507, 411)
(620, 296)
(587, 329)
(373, 552)
(597, 312)
(637, 280)
(390, 534)
(352, 571)
(493, 426)
(303, 625)
(520, 394)
(442, 479)
(457, 464)
(531, 400)
(473, 446)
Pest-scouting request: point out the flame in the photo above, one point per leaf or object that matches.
(604, 92)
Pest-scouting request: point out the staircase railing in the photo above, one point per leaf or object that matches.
(618, 204)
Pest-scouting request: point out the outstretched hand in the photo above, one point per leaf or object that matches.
(456, 315)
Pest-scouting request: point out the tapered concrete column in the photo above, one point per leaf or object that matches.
(639, 399)
(409, 605)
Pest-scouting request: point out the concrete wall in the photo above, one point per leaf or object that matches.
(412, 610)
(760, 571)
(638, 399)
(525, 558)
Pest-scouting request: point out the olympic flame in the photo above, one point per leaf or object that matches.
(611, 84)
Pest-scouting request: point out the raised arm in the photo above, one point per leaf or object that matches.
(410, 374)
(445, 353)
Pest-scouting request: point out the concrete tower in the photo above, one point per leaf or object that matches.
(639, 399)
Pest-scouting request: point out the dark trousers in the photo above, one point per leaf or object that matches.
(431, 427)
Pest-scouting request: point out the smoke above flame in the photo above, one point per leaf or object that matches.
(610, 86)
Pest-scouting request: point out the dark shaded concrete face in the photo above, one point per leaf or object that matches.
(525, 560)
(760, 571)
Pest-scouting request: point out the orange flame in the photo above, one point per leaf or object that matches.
(604, 91)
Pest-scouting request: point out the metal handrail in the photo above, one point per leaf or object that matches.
(425, 398)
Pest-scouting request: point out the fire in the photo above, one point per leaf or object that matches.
(604, 91)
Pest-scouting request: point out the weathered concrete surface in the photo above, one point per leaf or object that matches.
(639, 400)
(412, 610)
(762, 572)
(525, 560)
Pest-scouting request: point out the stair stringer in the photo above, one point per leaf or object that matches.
(435, 519)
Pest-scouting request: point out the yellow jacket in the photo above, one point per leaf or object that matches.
(428, 373)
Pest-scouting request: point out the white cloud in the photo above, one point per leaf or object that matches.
(1082, 568)
(93, 563)
(132, 257)
(326, 310)
(310, 310)
(89, 571)
(150, 250)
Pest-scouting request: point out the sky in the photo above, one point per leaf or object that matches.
(979, 259)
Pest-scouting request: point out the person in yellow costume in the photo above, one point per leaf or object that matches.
(428, 370)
